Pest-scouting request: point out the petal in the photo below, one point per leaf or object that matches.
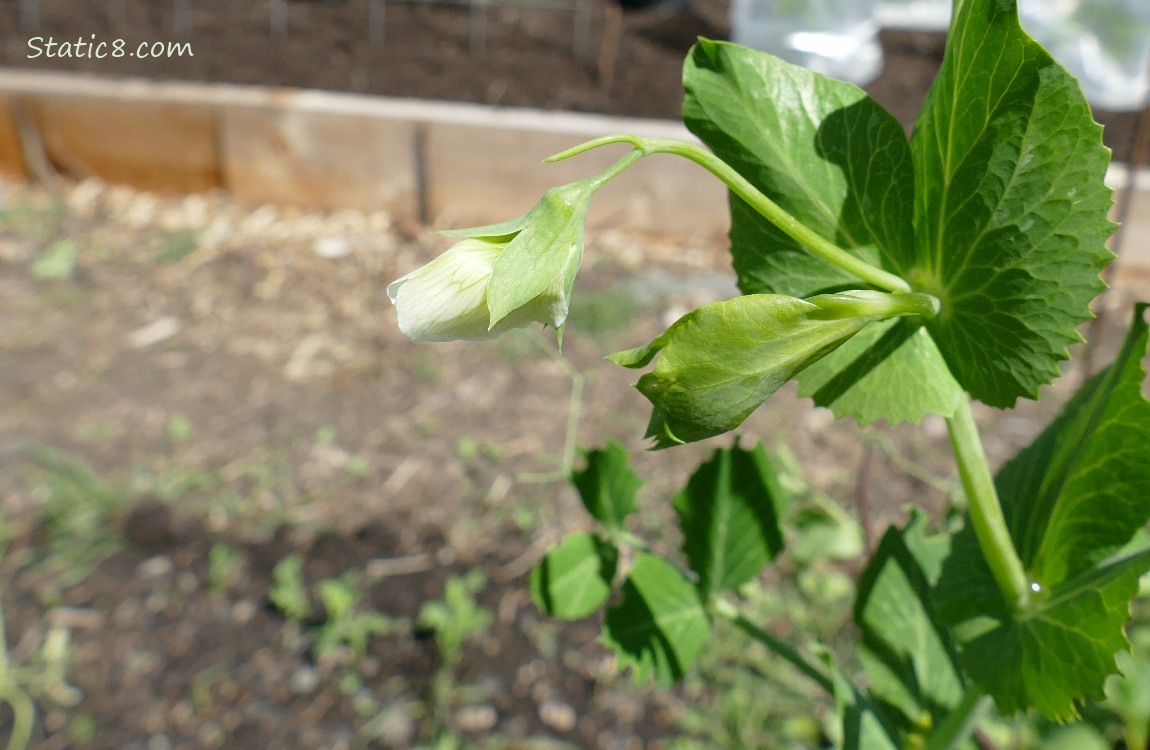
(446, 300)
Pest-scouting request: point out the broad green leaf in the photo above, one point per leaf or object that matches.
(907, 651)
(861, 723)
(608, 486)
(660, 626)
(1010, 206)
(718, 363)
(729, 513)
(574, 579)
(1082, 488)
(891, 370)
(839, 163)
(1072, 498)
(1060, 653)
(820, 148)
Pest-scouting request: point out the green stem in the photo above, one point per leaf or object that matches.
(23, 717)
(960, 723)
(985, 511)
(739, 185)
(575, 406)
(728, 611)
(615, 169)
(23, 710)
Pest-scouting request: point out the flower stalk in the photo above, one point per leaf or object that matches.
(985, 510)
(770, 210)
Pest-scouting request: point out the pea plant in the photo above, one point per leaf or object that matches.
(892, 277)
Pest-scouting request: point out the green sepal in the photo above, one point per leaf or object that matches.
(544, 252)
(719, 362)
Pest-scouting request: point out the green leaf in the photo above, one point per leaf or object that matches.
(718, 363)
(822, 149)
(608, 486)
(1071, 499)
(574, 579)
(907, 651)
(1081, 490)
(838, 162)
(660, 626)
(862, 725)
(729, 513)
(1128, 693)
(1061, 652)
(1010, 207)
(891, 370)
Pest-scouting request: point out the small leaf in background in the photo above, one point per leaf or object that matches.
(860, 724)
(1010, 208)
(180, 429)
(1128, 693)
(608, 486)
(1072, 499)
(729, 512)
(175, 246)
(907, 652)
(660, 626)
(457, 617)
(574, 579)
(56, 263)
(823, 533)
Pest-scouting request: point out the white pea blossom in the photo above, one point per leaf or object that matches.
(446, 300)
(501, 276)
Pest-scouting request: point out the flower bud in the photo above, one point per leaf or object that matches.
(501, 276)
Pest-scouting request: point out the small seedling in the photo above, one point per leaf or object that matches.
(175, 246)
(78, 516)
(180, 429)
(57, 263)
(345, 625)
(288, 592)
(225, 569)
(457, 617)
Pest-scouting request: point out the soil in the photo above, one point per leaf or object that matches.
(214, 383)
(525, 56)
